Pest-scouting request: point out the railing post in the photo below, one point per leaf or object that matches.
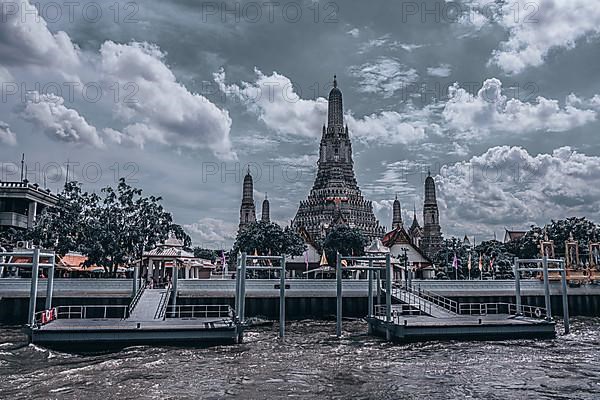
(175, 283)
(35, 267)
(136, 277)
(378, 273)
(370, 302)
(238, 269)
(282, 299)
(547, 297)
(50, 283)
(243, 289)
(517, 284)
(338, 278)
(565, 298)
(388, 288)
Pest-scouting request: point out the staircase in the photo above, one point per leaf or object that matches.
(427, 302)
(151, 305)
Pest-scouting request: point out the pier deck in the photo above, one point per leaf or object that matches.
(461, 327)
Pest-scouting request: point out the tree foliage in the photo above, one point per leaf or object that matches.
(268, 238)
(344, 240)
(112, 228)
(206, 254)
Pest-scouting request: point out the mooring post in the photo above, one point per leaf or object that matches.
(282, 299)
(378, 273)
(243, 289)
(388, 288)
(175, 283)
(338, 277)
(238, 268)
(565, 298)
(35, 268)
(547, 289)
(50, 283)
(136, 277)
(517, 284)
(370, 275)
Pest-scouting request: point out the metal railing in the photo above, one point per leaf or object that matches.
(163, 304)
(136, 298)
(502, 308)
(398, 309)
(86, 312)
(414, 299)
(434, 298)
(200, 311)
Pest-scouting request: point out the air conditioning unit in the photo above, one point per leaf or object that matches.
(21, 244)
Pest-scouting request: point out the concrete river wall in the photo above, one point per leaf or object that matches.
(304, 298)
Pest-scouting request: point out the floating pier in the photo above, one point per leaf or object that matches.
(148, 319)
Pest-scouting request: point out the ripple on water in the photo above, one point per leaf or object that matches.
(311, 363)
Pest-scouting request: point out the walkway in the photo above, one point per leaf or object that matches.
(148, 305)
(430, 304)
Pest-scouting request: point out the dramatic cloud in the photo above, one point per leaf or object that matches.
(441, 71)
(161, 109)
(507, 186)
(490, 110)
(211, 232)
(6, 135)
(273, 99)
(25, 39)
(385, 76)
(535, 28)
(48, 112)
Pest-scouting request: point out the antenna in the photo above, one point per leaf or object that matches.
(22, 163)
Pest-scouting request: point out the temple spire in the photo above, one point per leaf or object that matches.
(396, 214)
(335, 112)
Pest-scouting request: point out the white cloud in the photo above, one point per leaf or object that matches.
(48, 112)
(535, 28)
(442, 70)
(273, 99)
(354, 32)
(490, 110)
(385, 76)
(163, 110)
(6, 135)
(211, 232)
(507, 186)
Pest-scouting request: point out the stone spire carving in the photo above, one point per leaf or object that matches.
(396, 214)
(432, 234)
(335, 195)
(247, 209)
(265, 210)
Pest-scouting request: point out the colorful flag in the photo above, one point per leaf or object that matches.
(491, 264)
(455, 262)
(306, 259)
(469, 263)
(323, 260)
(344, 263)
(481, 263)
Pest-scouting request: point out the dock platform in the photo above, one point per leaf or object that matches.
(461, 327)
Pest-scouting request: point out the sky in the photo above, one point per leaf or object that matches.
(499, 100)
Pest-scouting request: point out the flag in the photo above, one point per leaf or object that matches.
(481, 263)
(344, 263)
(469, 262)
(255, 261)
(492, 264)
(306, 259)
(269, 260)
(323, 260)
(455, 262)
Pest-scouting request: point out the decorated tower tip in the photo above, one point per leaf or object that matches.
(334, 81)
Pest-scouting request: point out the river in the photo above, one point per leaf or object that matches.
(312, 364)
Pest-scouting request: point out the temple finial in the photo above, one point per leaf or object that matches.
(334, 81)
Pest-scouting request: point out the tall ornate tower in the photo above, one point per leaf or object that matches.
(335, 197)
(432, 233)
(265, 210)
(396, 214)
(247, 209)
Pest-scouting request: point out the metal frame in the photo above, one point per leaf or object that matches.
(240, 287)
(388, 285)
(561, 267)
(35, 265)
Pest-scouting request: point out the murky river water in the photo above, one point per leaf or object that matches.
(312, 364)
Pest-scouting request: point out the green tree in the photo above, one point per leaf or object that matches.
(206, 254)
(344, 240)
(268, 238)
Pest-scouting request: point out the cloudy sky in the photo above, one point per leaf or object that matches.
(500, 100)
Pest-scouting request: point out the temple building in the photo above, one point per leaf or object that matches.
(247, 209)
(415, 231)
(265, 210)
(335, 198)
(431, 242)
